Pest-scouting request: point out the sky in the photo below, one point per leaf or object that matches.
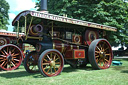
(17, 6)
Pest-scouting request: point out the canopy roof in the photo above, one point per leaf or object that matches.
(8, 33)
(43, 15)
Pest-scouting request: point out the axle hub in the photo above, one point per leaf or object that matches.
(9, 58)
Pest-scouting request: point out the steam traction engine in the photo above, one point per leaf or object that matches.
(58, 39)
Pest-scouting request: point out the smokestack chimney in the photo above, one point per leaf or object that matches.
(43, 5)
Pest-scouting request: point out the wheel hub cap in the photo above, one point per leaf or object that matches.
(102, 54)
(9, 58)
(52, 63)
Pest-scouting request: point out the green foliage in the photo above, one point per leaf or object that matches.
(107, 12)
(4, 7)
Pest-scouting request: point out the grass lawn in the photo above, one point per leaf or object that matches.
(115, 75)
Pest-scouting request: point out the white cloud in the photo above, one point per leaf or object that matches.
(20, 5)
(16, 6)
(12, 15)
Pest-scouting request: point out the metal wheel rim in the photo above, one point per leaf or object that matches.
(49, 59)
(103, 54)
(10, 57)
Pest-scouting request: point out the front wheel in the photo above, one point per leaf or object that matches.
(10, 57)
(100, 54)
(51, 63)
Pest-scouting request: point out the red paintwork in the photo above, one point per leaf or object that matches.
(79, 53)
(58, 45)
(68, 50)
(87, 42)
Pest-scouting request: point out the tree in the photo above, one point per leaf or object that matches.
(4, 7)
(107, 12)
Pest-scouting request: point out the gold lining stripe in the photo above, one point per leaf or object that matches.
(54, 45)
(77, 47)
(62, 47)
(71, 47)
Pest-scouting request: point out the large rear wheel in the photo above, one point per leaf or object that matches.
(100, 54)
(51, 63)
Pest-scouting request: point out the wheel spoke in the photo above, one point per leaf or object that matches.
(51, 56)
(45, 63)
(99, 59)
(56, 59)
(16, 54)
(3, 56)
(57, 62)
(5, 64)
(54, 68)
(48, 57)
(13, 64)
(97, 56)
(48, 70)
(10, 65)
(11, 53)
(13, 50)
(97, 51)
(5, 52)
(57, 67)
(2, 63)
(106, 60)
(45, 67)
(51, 70)
(13, 61)
(98, 48)
(16, 59)
(103, 47)
(2, 53)
(106, 49)
(45, 60)
(103, 64)
(107, 54)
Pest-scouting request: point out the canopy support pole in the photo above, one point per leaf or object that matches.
(52, 29)
(17, 29)
(25, 24)
(29, 28)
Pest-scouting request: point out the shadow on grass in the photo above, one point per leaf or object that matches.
(124, 59)
(70, 69)
(16, 74)
(124, 71)
(118, 67)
